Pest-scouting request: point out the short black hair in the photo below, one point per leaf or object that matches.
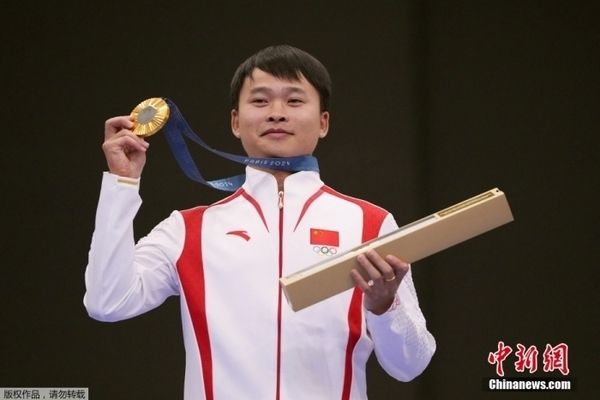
(284, 62)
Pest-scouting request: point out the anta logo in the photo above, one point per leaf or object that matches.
(324, 242)
(243, 234)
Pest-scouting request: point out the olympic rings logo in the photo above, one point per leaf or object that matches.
(324, 250)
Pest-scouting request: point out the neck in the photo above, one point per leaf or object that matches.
(279, 176)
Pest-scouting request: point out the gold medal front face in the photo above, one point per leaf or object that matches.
(149, 116)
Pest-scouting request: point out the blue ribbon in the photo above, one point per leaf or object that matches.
(176, 130)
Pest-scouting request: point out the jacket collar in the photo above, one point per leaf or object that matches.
(297, 187)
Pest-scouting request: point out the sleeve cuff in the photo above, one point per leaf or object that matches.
(395, 309)
(123, 181)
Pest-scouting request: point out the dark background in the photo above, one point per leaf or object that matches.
(433, 102)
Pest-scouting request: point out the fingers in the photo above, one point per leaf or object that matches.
(117, 124)
(364, 284)
(376, 267)
(380, 281)
(124, 151)
(379, 270)
(400, 267)
(376, 272)
(118, 134)
(127, 141)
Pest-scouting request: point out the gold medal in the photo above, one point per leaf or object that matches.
(149, 116)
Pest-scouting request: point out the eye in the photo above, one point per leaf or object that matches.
(295, 101)
(258, 101)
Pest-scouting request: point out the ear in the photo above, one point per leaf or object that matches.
(235, 123)
(324, 124)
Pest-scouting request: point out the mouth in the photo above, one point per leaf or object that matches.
(276, 132)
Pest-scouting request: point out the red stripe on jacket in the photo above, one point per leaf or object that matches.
(191, 274)
(190, 268)
(373, 218)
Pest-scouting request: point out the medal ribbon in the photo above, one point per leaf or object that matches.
(177, 129)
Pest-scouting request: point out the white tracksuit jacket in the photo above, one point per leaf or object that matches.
(242, 340)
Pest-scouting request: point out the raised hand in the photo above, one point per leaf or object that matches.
(125, 152)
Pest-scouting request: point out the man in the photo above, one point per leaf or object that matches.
(242, 339)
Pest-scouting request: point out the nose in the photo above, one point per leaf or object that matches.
(277, 112)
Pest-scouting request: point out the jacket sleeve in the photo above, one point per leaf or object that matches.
(124, 279)
(403, 345)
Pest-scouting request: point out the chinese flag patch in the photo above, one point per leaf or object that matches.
(324, 237)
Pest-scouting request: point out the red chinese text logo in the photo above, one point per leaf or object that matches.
(555, 358)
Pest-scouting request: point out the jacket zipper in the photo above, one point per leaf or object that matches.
(280, 205)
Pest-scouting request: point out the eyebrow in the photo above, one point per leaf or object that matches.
(287, 90)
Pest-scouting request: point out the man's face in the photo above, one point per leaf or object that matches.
(278, 118)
